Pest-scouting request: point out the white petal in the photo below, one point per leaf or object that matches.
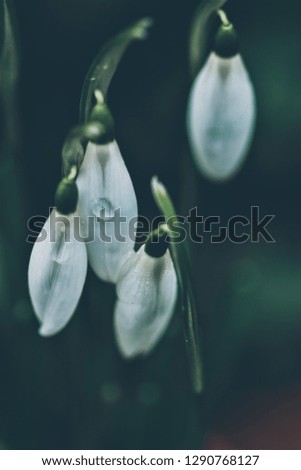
(147, 293)
(221, 117)
(56, 274)
(105, 186)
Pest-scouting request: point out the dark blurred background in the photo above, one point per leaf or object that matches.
(73, 391)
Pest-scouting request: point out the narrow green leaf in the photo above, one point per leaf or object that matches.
(9, 52)
(199, 32)
(104, 66)
(162, 198)
(181, 259)
(9, 67)
(2, 3)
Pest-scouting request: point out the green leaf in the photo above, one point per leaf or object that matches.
(162, 198)
(2, 3)
(181, 259)
(199, 32)
(9, 52)
(9, 67)
(105, 64)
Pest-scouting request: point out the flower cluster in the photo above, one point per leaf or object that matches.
(146, 280)
(220, 120)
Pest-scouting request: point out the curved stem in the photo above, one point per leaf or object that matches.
(181, 260)
(223, 17)
(106, 62)
(199, 32)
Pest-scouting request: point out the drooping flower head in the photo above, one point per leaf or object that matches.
(107, 201)
(146, 298)
(222, 109)
(58, 263)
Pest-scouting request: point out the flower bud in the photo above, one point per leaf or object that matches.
(157, 244)
(66, 196)
(102, 115)
(226, 42)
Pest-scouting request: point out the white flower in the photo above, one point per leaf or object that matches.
(221, 116)
(105, 194)
(57, 273)
(147, 292)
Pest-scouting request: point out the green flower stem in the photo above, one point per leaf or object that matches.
(199, 32)
(181, 259)
(94, 90)
(223, 17)
(106, 62)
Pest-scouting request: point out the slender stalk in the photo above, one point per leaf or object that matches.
(199, 32)
(191, 317)
(180, 256)
(223, 17)
(106, 62)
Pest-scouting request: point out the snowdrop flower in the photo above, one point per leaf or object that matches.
(147, 292)
(58, 264)
(222, 109)
(107, 202)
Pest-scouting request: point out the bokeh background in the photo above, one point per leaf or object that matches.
(74, 391)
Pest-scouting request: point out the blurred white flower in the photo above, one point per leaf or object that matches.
(107, 198)
(221, 116)
(57, 273)
(147, 293)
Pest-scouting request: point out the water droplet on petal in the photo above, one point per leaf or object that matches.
(103, 209)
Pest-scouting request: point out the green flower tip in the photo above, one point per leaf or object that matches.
(157, 242)
(226, 44)
(101, 127)
(66, 196)
(98, 133)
